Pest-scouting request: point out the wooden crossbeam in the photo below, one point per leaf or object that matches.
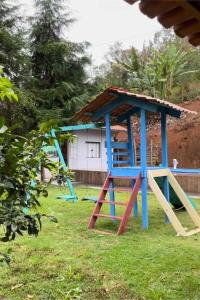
(180, 193)
(166, 205)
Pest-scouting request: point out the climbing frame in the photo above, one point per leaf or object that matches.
(108, 186)
(166, 205)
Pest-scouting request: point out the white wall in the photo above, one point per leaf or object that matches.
(77, 151)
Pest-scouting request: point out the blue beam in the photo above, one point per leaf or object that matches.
(109, 156)
(80, 127)
(165, 155)
(143, 154)
(63, 164)
(152, 107)
(131, 112)
(124, 100)
(130, 142)
(164, 139)
(186, 171)
(132, 157)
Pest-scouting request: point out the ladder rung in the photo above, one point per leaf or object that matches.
(113, 202)
(119, 189)
(103, 232)
(108, 216)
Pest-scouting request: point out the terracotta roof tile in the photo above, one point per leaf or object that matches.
(111, 94)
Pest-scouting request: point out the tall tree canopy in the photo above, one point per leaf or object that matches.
(12, 43)
(58, 65)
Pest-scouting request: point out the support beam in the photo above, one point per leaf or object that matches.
(143, 152)
(109, 157)
(80, 127)
(136, 103)
(132, 157)
(130, 113)
(164, 154)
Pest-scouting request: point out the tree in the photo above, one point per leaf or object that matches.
(20, 160)
(13, 55)
(59, 77)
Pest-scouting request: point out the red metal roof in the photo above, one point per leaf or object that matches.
(111, 94)
(182, 15)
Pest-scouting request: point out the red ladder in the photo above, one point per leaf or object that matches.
(129, 205)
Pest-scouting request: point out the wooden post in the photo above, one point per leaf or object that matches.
(143, 154)
(132, 158)
(165, 155)
(109, 156)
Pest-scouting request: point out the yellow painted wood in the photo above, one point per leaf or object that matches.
(183, 198)
(193, 231)
(165, 205)
(159, 173)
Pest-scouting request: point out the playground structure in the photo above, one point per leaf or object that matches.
(115, 106)
(56, 148)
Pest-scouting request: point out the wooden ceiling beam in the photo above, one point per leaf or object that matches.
(174, 17)
(187, 28)
(154, 8)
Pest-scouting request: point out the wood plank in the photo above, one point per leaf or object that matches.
(108, 216)
(155, 8)
(132, 200)
(113, 202)
(102, 232)
(98, 205)
(165, 205)
(159, 172)
(121, 189)
(174, 17)
(183, 198)
(193, 231)
(187, 28)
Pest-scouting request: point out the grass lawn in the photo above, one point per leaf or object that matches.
(67, 261)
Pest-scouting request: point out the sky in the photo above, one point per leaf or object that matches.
(103, 22)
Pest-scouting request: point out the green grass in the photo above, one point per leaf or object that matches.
(66, 261)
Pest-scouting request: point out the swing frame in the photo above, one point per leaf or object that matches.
(54, 134)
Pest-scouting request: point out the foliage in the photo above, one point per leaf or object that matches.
(13, 55)
(20, 186)
(58, 65)
(165, 68)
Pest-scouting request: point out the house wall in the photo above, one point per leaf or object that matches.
(78, 154)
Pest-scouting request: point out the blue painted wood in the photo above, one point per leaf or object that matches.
(131, 112)
(143, 152)
(121, 162)
(130, 141)
(120, 153)
(119, 145)
(164, 139)
(109, 156)
(80, 127)
(63, 164)
(165, 156)
(125, 171)
(124, 100)
(185, 171)
(132, 157)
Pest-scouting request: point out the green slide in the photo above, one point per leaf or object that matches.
(174, 199)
